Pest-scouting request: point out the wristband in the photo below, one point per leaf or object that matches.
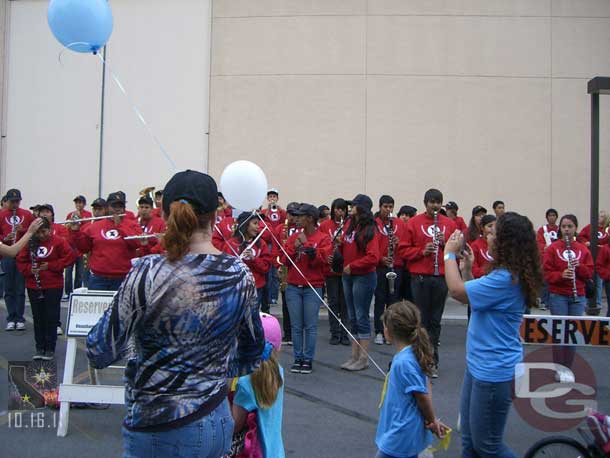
(449, 256)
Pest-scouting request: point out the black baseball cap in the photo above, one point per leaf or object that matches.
(307, 210)
(116, 197)
(362, 201)
(292, 207)
(273, 191)
(81, 198)
(99, 202)
(46, 207)
(451, 205)
(487, 219)
(13, 194)
(478, 209)
(145, 200)
(196, 188)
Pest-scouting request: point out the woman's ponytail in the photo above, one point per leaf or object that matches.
(181, 225)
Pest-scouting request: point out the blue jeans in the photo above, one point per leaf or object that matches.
(208, 437)
(81, 276)
(484, 409)
(303, 306)
(98, 283)
(380, 454)
(606, 286)
(273, 285)
(567, 306)
(359, 291)
(14, 291)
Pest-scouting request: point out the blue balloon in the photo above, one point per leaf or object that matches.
(81, 25)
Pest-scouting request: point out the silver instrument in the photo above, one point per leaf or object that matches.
(391, 275)
(571, 266)
(251, 245)
(140, 237)
(82, 220)
(33, 246)
(13, 227)
(437, 244)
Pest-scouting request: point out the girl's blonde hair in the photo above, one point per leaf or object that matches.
(267, 381)
(403, 321)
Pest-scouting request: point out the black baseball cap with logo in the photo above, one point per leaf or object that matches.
(451, 205)
(307, 210)
(362, 201)
(115, 198)
(196, 188)
(13, 194)
(99, 202)
(81, 198)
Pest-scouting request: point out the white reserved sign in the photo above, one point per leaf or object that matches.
(85, 311)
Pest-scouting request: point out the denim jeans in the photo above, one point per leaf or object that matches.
(14, 291)
(567, 306)
(273, 285)
(208, 437)
(359, 291)
(484, 409)
(606, 287)
(430, 294)
(81, 276)
(599, 285)
(383, 298)
(545, 294)
(336, 302)
(99, 283)
(304, 307)
(45, 311)
(380, 454)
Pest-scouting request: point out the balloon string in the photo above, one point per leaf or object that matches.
(138, 113)
(320, 297)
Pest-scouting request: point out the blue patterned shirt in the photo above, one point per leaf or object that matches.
(186, 327)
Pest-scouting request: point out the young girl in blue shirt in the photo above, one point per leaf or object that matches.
(407, 419)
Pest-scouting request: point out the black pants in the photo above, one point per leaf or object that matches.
(383, 298)
(286, 318)
(336, 302)
(405, 286)
(45, 311)
(430, 294)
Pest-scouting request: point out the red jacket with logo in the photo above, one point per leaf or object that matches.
(274, 217)
(556, 261)
(83, 214)
(330, 227)
(111, 254)
(461, 225)
(482, 258)
(602, 263)
(260, 263)
(282, 234)
(360, 262)
(584, 236)
(57, 253)
(22, 217)
(312, 268)
(59, 230)
(223, 232)
(551, 230)
(418, 233)
(382, 228)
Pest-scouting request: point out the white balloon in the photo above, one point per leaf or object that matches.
(244, 185)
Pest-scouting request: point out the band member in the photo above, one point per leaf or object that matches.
(389, 231)
(75, 275)
(603, 238)
(422, 246)
(546, 235)
(80, 202)
(324, 212)
(474, 227)
(222, 202)
(309, 249)
(567, 266)
(149, 223)
(128, 213)
(334, 227)
(406, 212)
(59, 230)
(99, 207)
(43, 263)
(359, 256)
(223, 229)
(110, 254)
(34, 209)
(602, 267)
(499, 208)
(158, 204)
(276, 216)
(481, 247)
(452, 212)
(14, 222)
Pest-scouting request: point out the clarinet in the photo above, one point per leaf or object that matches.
(14, 228)
(391, 275)
(33, 245)
(436, 242)
(570, 265)
(335, 267)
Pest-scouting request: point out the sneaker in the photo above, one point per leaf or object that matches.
(20, 326)
(273, 302)
(48, 355)
(65, 298)
(287, 342)
(39, 355)
(434, 372)
(345, 340)
(335, 340)
(306, 367)
(10, 326)
(564, 376)
(296, 367)
(60, 331)
(379, 339)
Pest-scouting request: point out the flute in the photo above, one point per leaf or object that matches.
(249, 247)
(141, 236)
(436, 242)
(94, 218)
(571, 266)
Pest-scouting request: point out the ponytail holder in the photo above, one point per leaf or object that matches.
(267, 351)
(182, 201)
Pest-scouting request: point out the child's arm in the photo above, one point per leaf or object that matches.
(239, 417)
(424, 403)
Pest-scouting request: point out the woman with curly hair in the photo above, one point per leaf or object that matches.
(498, 301)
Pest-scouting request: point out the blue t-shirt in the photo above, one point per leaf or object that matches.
(493, 347)
(400, 431)
(269, 420)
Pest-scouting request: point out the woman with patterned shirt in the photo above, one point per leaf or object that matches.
(191, 320)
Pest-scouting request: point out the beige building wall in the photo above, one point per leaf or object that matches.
(484, 99)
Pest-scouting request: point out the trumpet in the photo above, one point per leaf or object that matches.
(82, 220)
(391, 275)
(148, 191)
